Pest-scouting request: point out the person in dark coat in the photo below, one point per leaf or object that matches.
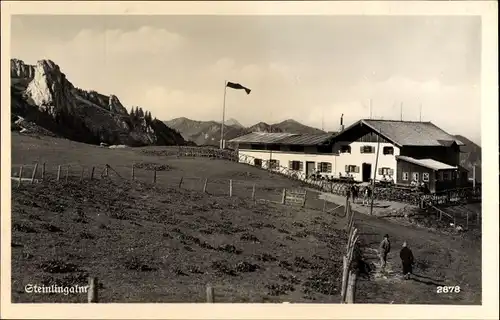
(384, 249)
(407, 260)
(354, 193)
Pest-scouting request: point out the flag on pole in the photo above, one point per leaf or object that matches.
(237, 86)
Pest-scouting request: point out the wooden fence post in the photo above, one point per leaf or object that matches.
(106, 171)
(33, 175)
(92, 290)
(304, 202)
(230, 187)
(253, 192)
(351, 287)
(58, 172)
(133, 172)
(67, 174)
(180, 182)
(324, 205)
(81, 174)
(210, 294)
(154, 175)
(283, 196)
(92, 173)
(345, 277)
(20, 176)
(43, 171)
(205, 185)
(467, 221)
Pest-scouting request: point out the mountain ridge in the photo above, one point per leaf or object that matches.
(43, 97)
(208, 132)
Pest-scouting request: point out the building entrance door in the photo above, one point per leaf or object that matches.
(309, 168)
(366, 170)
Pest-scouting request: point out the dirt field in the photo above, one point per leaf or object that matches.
(162, 243)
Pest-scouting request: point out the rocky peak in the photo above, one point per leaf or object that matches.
(116, 106)
(49, 88)
(18, 69)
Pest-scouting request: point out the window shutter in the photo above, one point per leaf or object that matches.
(391, 172)
(301, 166)
(329, 167)
(290, 165)
(361, 149)
(356, 169)
(380, 171)
(346, 168)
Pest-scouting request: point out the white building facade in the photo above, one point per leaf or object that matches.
(353, 151)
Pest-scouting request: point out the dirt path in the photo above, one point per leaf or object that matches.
(441, 259)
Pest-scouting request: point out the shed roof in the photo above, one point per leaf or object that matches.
(261, 137)
(427, 163)
(409, 133)
(309, 139)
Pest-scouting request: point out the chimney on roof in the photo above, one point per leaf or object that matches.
(342, 122)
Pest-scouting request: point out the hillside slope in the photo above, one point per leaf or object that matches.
(293, 126)
(470, 156)
(43, 97)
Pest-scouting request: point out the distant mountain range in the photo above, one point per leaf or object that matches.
(208, 132)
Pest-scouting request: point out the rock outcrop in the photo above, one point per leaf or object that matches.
(41, 94)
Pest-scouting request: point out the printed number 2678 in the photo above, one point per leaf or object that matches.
(448, 289)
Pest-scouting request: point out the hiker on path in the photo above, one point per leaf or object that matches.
(366, 195)
(384, 249)
(348, 192)
(354, 192)
(407, 260)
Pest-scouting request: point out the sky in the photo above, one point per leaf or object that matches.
(308, 68)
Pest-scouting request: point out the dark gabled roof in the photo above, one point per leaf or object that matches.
(309, 139)
(408, 133)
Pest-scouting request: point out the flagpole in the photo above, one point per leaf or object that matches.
(223, 117)
(375, 173)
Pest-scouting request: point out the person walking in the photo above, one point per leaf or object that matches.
(354, 193)
(366, 195)
(407, 260)
(384, 249)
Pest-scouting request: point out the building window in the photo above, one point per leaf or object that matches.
(294, 148)
(296, 165)
(439, 176)
(274, 164)
(425, 177)
(367, 149)
(351, 168)
(257, 162)
(414, 176)
(446, 175)
(345, 149)
(325, 167)
(388, 150)
(405, 176)
(385, 171)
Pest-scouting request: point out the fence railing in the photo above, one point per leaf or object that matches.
(350, 259)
